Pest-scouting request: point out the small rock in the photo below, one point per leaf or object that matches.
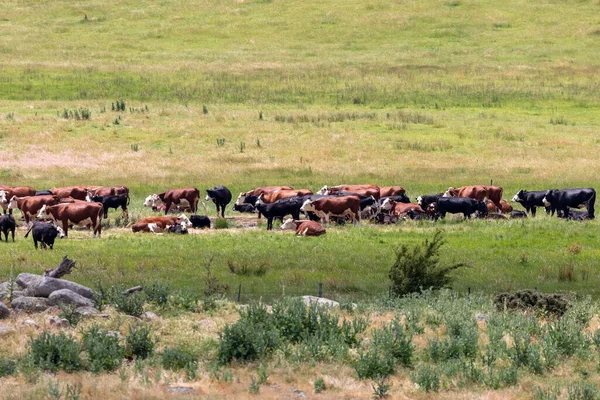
(4, 311)
(30, 304)
(207, 324)
(66, 296)
(6, 329)
(149, 316)
(58, 322)
(24, 279)
(308, 300)
(299, 393)
(31, 323)
(15, 294)
(86, 311)
(180, 390)
(481, 317)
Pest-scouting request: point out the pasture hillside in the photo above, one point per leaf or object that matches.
(425, 94)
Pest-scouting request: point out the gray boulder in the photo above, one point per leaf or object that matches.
(4, 311)
(308, 300)
(86, 311)
(66, 296)
(58, 322)
(30, 304)
(45, 286)
(24, 279)
(15, 294)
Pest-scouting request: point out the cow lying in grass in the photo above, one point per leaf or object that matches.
(304, 228)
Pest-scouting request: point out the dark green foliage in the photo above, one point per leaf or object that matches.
(204, 109)
(380, 388)
(582, 391)
(221, 223)
(105, 353)
(461, 343)
(52, 352)
(528, 299)
(419, 268)
(178, 358)
(374, 363)
(69, 312)
(158, 292)
(138, 342)
(566, 336)
(427, 378)
(77, 114)
(119, 105)
(7, 367)
(132, 304)
(524, 353)
(319, 385)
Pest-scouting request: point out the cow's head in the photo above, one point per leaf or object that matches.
(61, 233)
(89, 196)
(13, 202)
(259, 200)
(3, 199)
(324, 190)
(288, 224)
(43, 213)
(308, 206)
(451, 192)
(482, 208)
(153, 201)
(549, 197)
(388, 204)
(519, 196)
(185, 221)
(210, 195)
(241, 198)
(420, 200)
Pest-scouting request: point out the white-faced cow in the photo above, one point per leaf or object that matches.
(531, 200)
(221, 196)
(160, 224)
(363, 190)
(80, 213)
(304, 228)
(478, 192)
(8, 193)
(182, 198)
(45, 233)
(327, 207)
(30, 206)
(398, 209)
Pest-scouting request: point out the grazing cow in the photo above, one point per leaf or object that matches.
(279, 209)
(363, 190)
(43, 193)
(341, 206)
(427, 199)
(115, 202)
(506, 207)
(478, 192)
(401, 209)
(518, 214)
(387, 191)
(31, 205)
(221, 196)
(283, 194)
(7, 223)
(304, 228)
(80, 213)
(531, 200)
(45, 233)
(561, 200)
(76, 192)
(8, 193)
(200, 221)
(187, 197)
(245, 208)
(465, 206)
(242, 198)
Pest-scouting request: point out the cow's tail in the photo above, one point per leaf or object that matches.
(590, 205)
(30, 228)
(98, 225)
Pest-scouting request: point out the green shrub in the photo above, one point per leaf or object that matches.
(132, 304)
(52, 352)
(69, 312)
(221, 223)
(550, 393)
(246, 341)
(374, 363)
(427, 378)
(7, 367)
(419, 268)
(566, 336)
(177, 358)
(157, 292)
(105, 353)
(319, 385)
(582, 391)
(138, 342)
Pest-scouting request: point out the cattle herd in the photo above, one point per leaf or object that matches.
(58, 209)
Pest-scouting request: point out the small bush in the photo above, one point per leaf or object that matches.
(139, 343)
(7, 367)
(177, 358)
(69, 312)
(566, 336)
(419, 268)
(380, 388)
(132, 304)
(157, 292)
(319, 385)
(244, 268)
(246, 341)
(582, 391)
(528, 299)
(52, 352)
(427, 378)
(103, 349)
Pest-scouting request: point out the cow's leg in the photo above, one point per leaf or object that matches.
(65, 223)
(590, 206)
(269, 223)
(532, 210)
(167, 207)
(13, 235)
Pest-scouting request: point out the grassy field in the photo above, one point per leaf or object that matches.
(424, 94)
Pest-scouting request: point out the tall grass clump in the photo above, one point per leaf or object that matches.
(53, 352)
(105, 353)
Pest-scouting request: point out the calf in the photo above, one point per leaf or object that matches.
(200, 221)
(244, 208)
(304, 228)
(401, 209)
(178, 229)
(279, 209)
(518, 214)
(45, 233)
(221, 196)
(574, 215)
(115, 202)
(427, 199)
(506, 207)
(334, 206)
(460, 205)
(531, 200)
(7, 223)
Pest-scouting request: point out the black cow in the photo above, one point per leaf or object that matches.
(7, 223)
(385, 219)
(244, 208)
(574, 215)
(401, 198)
(221, 196)
(43, 193)
(561, 200)
(279, 209)
(458, 205)
(115, 202)
(427, 199)
(531, 200)
(518, 214)
(45, 233)
(200, 221)
(177, 229)
(365, 201)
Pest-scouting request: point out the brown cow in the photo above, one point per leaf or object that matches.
(400, 209)
(107, 191)
(478, 192)
(31, 205)
(283, 194)
(80, 213)
(304, 228)
(76, 192)
(258, 191)
(160, 224)
(506, 207)
(334, 206)
(69, 199)
(387, 191)
(182, 198)
(8, 193)
(363, 190)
